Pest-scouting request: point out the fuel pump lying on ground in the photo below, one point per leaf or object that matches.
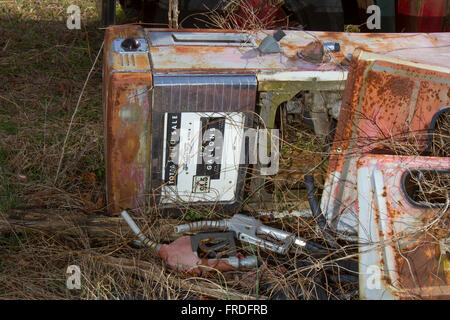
(193, 120)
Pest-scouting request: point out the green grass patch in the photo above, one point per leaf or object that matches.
(3, 157)
(9, 193)
(306, 143)
(100, 171)
(194, 215)
(8, 127)
(12, 243)
(34, 173)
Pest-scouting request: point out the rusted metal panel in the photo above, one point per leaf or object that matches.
(388, 103)
(126, 85)
(429, 48)
(129, 76)
(127, 140)
(403, 243)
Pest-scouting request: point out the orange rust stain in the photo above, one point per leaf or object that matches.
(290, 46)
(126, 193)
(195, 50)
(433, 40)
(400, 86)
(376, 79)
(142, 62)
(423, 259)
(120, 31)
(129, 144)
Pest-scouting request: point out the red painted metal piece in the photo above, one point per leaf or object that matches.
(422, 15)
(179, 256)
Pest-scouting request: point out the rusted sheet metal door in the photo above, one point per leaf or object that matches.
(404, 236)
(387, 108)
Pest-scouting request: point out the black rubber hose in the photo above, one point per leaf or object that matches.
(348, 265)
(318, 291)
(344, 278)
(336, 266)
(314, 202)
(314, 247)
(317, 212)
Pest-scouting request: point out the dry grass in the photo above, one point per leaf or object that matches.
(242, 15)
(43, 66)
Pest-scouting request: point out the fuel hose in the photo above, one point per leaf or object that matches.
(146, 241)
(317, 212)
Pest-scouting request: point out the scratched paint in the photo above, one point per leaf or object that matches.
(418, 47)
(128, 82)
(387, 102)
(126, 109)
(392, 231)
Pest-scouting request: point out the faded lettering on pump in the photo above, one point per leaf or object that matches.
(172, 151)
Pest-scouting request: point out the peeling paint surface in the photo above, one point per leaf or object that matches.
(127, 81)
(400, 258)
(415, 92)
(387, 102)
(430, 48)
